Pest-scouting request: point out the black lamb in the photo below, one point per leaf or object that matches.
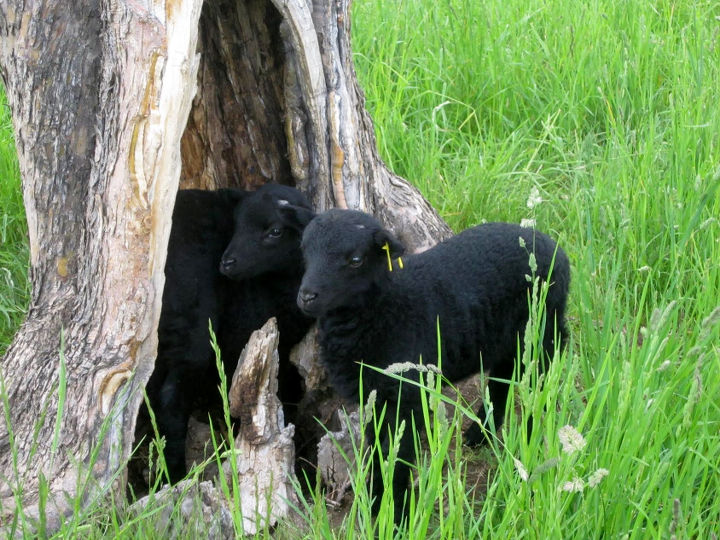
(233, 259)
(474, 284)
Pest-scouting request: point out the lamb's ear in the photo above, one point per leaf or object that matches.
(234, 195)
(294, 216)
(382, 237)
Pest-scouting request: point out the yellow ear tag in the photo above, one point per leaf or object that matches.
(386, 247)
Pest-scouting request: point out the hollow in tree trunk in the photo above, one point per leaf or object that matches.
(116, 104)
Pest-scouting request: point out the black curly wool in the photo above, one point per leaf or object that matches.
(474, 286)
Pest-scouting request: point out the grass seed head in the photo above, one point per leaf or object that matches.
(596, 477)
(571, 439)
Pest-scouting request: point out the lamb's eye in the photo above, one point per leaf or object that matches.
(275, 232)
(356, 261)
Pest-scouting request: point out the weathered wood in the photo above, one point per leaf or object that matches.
(199, 448)
(317, 411)
(331, 141)
(304, 357)
(265, 459)
(189, 510)
(335, 456)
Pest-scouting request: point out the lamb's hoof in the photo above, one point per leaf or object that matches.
(475, 436)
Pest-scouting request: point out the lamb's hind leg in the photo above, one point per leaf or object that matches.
(173, 412)
(498, 388)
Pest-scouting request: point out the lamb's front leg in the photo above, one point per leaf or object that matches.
(385, 434)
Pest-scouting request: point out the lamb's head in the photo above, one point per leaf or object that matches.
(346, 261)
(268, 228)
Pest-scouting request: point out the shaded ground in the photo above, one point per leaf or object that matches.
(478, 462)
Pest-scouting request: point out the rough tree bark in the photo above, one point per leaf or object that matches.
(115, 103)
(100, 93)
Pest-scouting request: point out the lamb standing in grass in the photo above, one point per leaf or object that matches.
(474, 284)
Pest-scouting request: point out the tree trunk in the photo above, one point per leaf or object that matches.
(100, 94)
(114, 104)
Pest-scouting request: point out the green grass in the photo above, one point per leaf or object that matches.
(610, 111)
(14, 250)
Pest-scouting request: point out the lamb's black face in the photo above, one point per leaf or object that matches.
(268, 229)
(344, 261)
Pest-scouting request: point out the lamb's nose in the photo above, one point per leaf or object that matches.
(227, 263)
(306, 297)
